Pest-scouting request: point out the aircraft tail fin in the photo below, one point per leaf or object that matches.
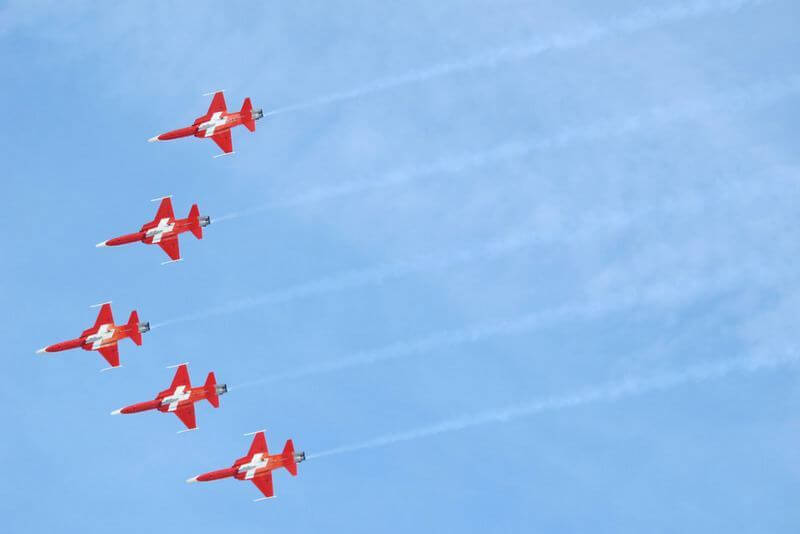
(194, 220)
(134, 328)
(289, 457)
(247, 115)
(214, 390)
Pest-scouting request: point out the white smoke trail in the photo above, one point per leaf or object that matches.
(371, 275)
(609, 392)
(438, 340)
(634, 297)
(589, 226)
(725, 102)
(639, 21)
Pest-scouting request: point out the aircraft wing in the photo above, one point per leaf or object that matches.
(264, 483)
(217, 104)
(186, 415)
(224, 141)
(171, 247)
(164, 210)
(111, 354)
(105, 316)
(259, 444)
(181, 377)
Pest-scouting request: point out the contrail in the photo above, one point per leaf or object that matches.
(590, 225)
(511, 326)
(636, 22)
(725, 102)
(435, 341)
(373, 275)
(609, 392)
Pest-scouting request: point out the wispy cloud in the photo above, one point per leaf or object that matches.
(609, 392)
(729, 101)
(638, 21)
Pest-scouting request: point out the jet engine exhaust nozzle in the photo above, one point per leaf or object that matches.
(257, 114)
(205, 220)
(299, 457)
(221, 388)
(144, 327)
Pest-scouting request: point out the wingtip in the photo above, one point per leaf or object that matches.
(192, 480)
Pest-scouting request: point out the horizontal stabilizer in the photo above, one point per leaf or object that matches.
(246, 114)
(194, 222)
(133, 328)
(288, 457)
(212, 390)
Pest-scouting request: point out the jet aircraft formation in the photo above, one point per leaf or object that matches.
(180, 397)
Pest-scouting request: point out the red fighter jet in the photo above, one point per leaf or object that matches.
(217, 123)
(164, 230)
(180, 397)
(104, 335)
(258, 465)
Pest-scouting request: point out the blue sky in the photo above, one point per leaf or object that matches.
(504, 266)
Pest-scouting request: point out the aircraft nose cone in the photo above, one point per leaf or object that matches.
(152, 139)
(190, 480)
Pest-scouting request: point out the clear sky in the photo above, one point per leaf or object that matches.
(501, 265)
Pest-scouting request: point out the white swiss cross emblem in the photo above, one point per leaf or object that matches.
(258, 461)
(164, 227)
(215, 120)
(103, 333)
(176, 398)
